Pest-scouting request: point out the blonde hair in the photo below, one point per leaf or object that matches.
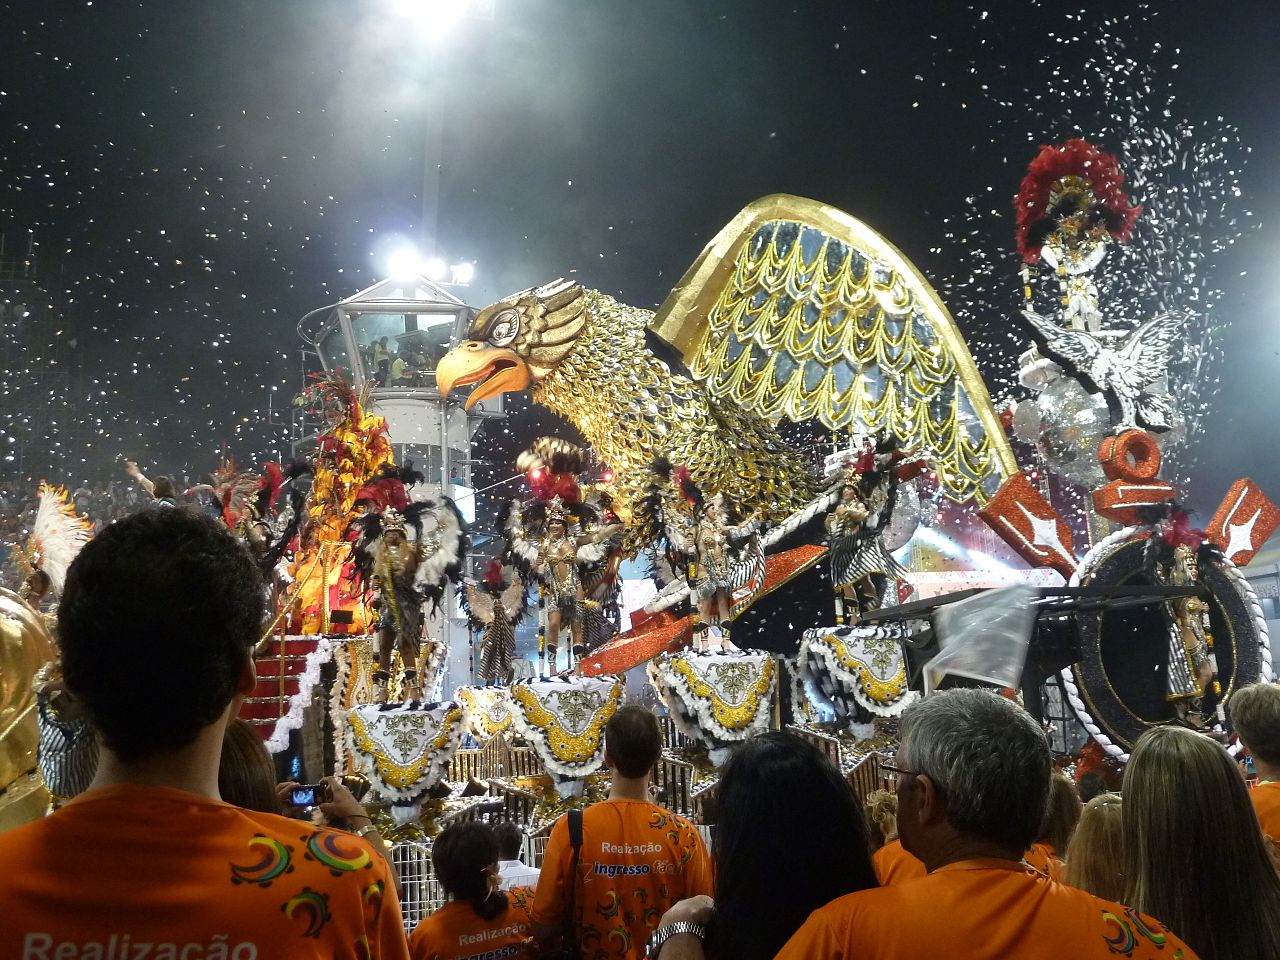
(1186, 815)
(882, 811)
(1095, 856)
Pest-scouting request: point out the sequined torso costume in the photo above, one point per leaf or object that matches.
(558, 574)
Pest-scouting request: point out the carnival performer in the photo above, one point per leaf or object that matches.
(403, 575)
(1192, 664)
(546, 539)
(718, 545)
(861, 567)
(496, 604)
(568, 546)
(68, 750)
(353, 451)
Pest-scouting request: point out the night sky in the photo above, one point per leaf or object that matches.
(196, 176)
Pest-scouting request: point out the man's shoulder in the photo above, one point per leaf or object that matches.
(1090, 925)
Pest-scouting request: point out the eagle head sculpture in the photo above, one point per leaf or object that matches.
(515, 343)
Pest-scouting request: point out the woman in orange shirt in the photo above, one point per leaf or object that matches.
(479, 920)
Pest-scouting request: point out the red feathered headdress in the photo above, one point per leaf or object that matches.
(1176, 531)
(493, 578)
(1073, 178)
(547, 485)
(384, 493)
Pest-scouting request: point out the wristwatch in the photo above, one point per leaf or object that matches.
(663, 934)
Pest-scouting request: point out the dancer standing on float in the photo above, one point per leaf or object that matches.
(861, 567)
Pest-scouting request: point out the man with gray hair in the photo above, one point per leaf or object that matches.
(1255, 716)
(973, 786)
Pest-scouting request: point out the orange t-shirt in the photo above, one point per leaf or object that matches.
(1266, 804)
(457, 932)
(894, 865)
(637, 860)
(140, 871)
(998, 910)
(1042, 858)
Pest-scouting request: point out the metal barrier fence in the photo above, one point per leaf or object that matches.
(420, 891)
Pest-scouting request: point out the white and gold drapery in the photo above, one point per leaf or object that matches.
(563, 720)
(861, 665)
(716, 699)
(486, 711)
(404, 751)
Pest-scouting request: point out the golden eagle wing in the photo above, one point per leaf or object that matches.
(797, 309)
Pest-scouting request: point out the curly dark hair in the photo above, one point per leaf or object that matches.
(159, 612)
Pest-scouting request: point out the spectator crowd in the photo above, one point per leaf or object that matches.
(979, 848)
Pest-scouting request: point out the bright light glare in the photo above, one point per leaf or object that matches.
(435, 269)
(433, 15)
(463, 272)
(403, 262)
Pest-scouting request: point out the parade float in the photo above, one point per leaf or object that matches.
(784, 589)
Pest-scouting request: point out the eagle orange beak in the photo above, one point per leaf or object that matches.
(493, 370)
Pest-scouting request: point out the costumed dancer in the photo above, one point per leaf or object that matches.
(68, 751)
(601, 584)
(496, 603)
(545, 538)
(402, 575)
(562, 544)
(861, 567)
(1192, 664)
(721, 554)
(351, 453)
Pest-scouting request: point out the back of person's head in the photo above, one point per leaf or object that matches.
(882, 812)
(246, 773)
(1090, 785)
(1255, 715)
(162, 488)
(1095, 856)
(987, 759)
(465, 856)
(510, 840)
(1194, 855)
(791, 836)
(157, 620)
(1062, 816)
(632, 741)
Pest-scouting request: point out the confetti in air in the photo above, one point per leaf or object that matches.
(1107, 80)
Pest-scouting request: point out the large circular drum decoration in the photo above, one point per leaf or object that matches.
(1120, 686)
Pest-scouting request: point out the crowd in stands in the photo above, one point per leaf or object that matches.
(979, 850)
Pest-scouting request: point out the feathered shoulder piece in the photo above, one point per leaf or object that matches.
(448, 546)
(57, 535)
(1073, 186)
(236, 491)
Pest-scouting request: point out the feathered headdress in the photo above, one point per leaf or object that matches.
(388, 490)
(1076, 186)
(684, 482)
(551, 466)
(57, 535)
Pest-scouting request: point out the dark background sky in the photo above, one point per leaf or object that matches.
(204, 173)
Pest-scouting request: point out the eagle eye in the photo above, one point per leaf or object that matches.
(506, 326)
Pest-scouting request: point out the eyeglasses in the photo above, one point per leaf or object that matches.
(897, 773)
